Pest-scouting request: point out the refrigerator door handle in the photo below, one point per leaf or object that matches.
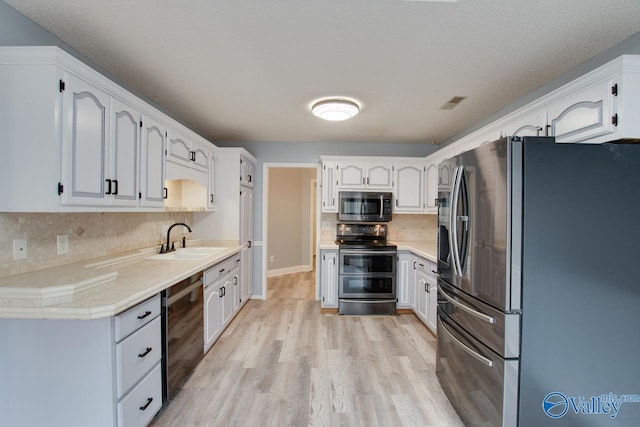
(470, 351)
(453, 226)
(469, 310)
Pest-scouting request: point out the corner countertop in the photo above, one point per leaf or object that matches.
(101, 287)
(424, 248)
(427, 249)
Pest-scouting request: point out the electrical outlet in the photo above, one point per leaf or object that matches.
(272, 258)
(326, 225)
(19, 249)
(63, 244)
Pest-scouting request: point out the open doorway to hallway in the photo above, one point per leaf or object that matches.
(290, 220)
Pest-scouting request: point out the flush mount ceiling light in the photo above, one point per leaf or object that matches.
(335, 109)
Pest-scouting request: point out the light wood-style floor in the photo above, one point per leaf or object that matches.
(282, 363)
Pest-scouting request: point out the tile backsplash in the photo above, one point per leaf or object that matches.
(409, 228)
(91, 235)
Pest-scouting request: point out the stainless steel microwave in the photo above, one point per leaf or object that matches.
(364, 206)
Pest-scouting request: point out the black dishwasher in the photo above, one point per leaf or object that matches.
(182, 333)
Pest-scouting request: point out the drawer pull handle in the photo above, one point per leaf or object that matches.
(149, 400)
(142, 316)
(146, 352)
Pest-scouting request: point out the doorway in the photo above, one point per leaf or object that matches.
(290, 219)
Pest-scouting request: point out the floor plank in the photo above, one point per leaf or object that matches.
(283, 363)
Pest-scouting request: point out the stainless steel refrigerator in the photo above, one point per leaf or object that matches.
(538, 287)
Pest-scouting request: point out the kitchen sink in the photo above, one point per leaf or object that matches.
(187, 254)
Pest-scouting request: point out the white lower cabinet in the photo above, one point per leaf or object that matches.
(417, 287)
(102, 373)
(329, 278)
(406, 280)
(222, 297)
(143, 402)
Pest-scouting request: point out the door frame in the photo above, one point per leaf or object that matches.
(265, 215)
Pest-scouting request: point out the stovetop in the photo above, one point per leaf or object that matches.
(363, 236)
(365, 244)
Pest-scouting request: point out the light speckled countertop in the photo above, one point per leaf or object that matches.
(99, 288)
(427, 249)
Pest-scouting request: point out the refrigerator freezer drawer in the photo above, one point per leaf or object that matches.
(482, 387)
(499, 331)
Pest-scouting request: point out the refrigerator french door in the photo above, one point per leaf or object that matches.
(536, 244)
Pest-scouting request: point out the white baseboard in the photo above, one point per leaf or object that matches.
(289, 270)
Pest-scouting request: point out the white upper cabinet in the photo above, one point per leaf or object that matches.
(247, 172)
(329, 187)
(182, 151)
(73, 141)
(153, 191)
(370, 174)
(584, 114)
(431, 186)
(531, 124)
(409, 187)
(211, 195)
(84, 143)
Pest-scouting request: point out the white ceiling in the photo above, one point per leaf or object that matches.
(248, 70)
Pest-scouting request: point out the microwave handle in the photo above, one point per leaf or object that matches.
(381, 206)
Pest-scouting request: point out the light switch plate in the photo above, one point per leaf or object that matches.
(19, 249)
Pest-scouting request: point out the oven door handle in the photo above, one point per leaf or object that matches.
(464, 347)
(365, 252)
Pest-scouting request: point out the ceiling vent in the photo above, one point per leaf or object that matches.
(453, 102)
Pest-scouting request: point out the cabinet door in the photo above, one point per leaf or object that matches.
(583, 115)
(431, 188)
(329, 278)
(226, 310)
(212, 327)
(532, 124)
(246, 215)
(246, 273)
(432, 303)
(152, 163)
(351, 175)
(124, 149)
(379, 176)
(84, 143)
(409, 188)
(211, 197)
(178, 149)
(422, 295)
(406, 280)
(247, 172)
(329, 187)
(236, 291)
(201, 157)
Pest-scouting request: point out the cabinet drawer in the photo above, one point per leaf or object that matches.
(219, 270)
(136, 355)
(143, 402)
(136, 317)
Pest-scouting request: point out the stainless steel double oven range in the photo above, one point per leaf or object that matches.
(367, 270)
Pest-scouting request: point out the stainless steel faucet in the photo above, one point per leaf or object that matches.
(170, 247)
